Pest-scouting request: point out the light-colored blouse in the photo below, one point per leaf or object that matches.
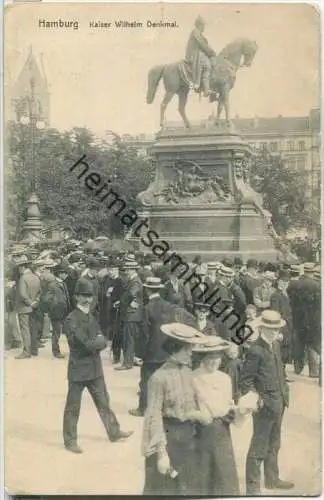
(171, 393)
(214, 392)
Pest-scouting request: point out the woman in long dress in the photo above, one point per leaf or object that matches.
(169, 432)
(215, 454)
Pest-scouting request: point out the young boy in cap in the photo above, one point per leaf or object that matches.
(85, 369)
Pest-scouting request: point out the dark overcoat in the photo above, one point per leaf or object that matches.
(82, 331)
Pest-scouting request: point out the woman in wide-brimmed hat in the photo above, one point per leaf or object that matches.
(168, 436)
(217, 473)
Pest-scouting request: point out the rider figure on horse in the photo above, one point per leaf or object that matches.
(198, 55)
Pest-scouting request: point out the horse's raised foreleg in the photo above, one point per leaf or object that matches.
(167, 98)
(183, 96)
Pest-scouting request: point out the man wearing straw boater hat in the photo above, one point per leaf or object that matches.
(263, 371)
(156, 312)
(131, 314)
(168, 433)
(27, 301)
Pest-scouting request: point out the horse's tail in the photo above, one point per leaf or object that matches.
(154, 77)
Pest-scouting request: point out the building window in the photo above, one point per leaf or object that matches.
(273, 147)
(301, 164)
(263, 146)
(291, 164)
(301, 146)
(290, 145)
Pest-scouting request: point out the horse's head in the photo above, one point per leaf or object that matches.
(249, 49)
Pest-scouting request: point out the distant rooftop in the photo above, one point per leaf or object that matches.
(256, 125)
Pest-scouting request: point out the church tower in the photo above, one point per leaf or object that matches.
(31, 80)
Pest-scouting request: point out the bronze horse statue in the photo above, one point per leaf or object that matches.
(222, 78)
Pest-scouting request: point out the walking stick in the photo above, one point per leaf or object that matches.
(115, 329)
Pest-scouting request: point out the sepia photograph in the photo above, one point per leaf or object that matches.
(162, 249)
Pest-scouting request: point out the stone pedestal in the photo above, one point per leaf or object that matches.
(196, 202)
(33, 225)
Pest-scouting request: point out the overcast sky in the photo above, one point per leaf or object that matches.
(98, 76)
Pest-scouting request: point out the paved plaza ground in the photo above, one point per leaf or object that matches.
(37, 463)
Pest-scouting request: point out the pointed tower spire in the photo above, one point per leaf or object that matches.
(43, 67)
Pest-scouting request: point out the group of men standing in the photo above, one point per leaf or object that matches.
(120, 302)
(43, 287)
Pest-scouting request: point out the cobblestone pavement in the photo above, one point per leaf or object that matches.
(37, 463)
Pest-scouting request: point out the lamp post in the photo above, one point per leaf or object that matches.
(32, 226)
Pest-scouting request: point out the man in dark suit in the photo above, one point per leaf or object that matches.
(156, 313)
(145, 271)
(58, 305)
(91, 274)
(263, 372)
(250, 280)
(85, 369)
(176, 292)
(307, 327)
(111, 290)
(202, 323)
(73, 276)
(279, 301)
(297, 312)
(200, 291)
(226, 301)
(131, 314)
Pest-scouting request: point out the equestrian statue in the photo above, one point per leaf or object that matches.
(203, 71)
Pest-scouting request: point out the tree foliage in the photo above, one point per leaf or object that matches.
(283, 190)
(62, 197)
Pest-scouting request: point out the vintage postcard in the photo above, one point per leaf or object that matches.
(162, 271)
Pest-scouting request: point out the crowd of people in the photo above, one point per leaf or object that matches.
(195, 382)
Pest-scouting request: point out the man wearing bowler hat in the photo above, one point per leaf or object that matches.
(111, 289)
(85, 369)
(202, 323)
(91, 274)
(156, 313)
(222, 303)
(263, 372)
(58, 305)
